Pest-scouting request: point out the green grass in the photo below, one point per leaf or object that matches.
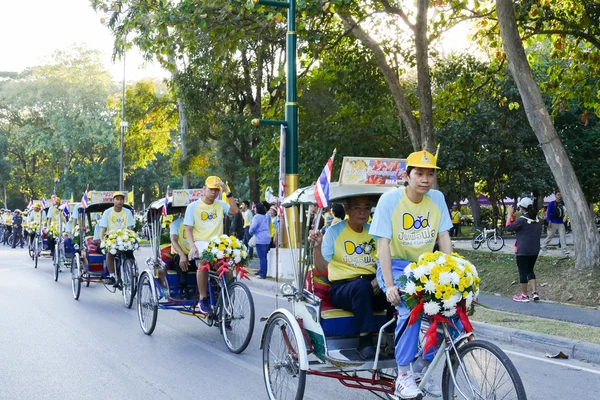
(557, 279)
(539, 325)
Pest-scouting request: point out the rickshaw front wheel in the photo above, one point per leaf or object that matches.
(281, 365)
(147, 304)
(76, 276)
(127, 273)
(237, 317)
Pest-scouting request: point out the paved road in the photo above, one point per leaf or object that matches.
(53, 347)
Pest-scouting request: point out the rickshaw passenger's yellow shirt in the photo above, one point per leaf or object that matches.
(349, 254)
(207, 219)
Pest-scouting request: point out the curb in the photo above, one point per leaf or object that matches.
(575, 349)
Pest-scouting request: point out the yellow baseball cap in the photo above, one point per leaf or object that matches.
(422, 159)
(213, 182)
(115, 194)
(37, 205)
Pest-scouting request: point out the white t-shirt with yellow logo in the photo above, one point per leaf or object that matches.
(349, 254)
(412, 228)
(207, 219)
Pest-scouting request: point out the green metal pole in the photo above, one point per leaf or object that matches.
(291, 105)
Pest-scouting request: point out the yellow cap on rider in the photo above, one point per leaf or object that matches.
(37, 206)
(422, 159)
(213, 182)
(115, 194)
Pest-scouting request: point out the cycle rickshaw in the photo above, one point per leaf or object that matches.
(315, 338)
(40, 242)
(232, 306)
(89, 263)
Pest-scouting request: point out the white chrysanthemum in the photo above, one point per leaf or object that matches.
(420, 271)
(411, 288)
(113, 251)
(455, 278)
(475, 273)
(220, 255)
(449, 313)
(445, 278)
(228, 250)
(237, 259)
(216, 240)
(214, 250)
(469, 299)
(244, 254)
(429, 286)
(430, 265)
(431, 308)
(441, 260)
(408, 271)
(102, 244)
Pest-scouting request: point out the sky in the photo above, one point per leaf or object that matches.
(31, 30)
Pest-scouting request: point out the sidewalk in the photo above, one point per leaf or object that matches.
(509, 243)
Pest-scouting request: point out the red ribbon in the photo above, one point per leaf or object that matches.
(205, 266)
(242, 272)
(431, 333)
(415, 313)
(461, 311)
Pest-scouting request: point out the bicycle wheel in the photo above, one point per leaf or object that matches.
(147, 305)
(36, 254)
(11, 239)
(476, 241)
(30, 247)
(76, 276)
(281, 368)
(237, 317)
(55, 263)
(127, 279)
(495, 243)
(482, 371)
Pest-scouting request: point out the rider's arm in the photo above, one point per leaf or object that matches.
(385, 260)
(177, 247)
(233, 208)
(444, 242)
(189, 231)
(319, 261)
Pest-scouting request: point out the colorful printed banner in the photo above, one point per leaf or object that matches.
(373, 171)
(183, 197)
(102, 197)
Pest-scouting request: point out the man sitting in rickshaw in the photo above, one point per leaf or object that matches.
(203, 220)
(115, 218)
(180, 261)
(36, 215)
(347, 252)
(54, 216)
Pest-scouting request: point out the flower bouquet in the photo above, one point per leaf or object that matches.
(52, 231)
(120, 240)
(33, 227)
(226, 254)
(441, 286)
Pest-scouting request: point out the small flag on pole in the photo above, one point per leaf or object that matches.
(85, 200)
(43, 202)
(322, 185)
(30, 204)
(165, 209)
(66, 209)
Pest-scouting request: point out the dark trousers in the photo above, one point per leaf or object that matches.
(261, 252)
(181, 274)
(357, 296)
(247, 237)
(17, 236)
(51, 244)
(526, 264)
(455, 230)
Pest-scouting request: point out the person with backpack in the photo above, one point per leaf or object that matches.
(556, 223)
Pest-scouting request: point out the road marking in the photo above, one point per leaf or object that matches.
(562, 364)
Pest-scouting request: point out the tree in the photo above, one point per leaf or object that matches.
(587, 239)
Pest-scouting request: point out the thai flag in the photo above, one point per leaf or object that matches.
(165, 208)
(66, 209)
(29, 205)
(44, 202)
(322, 185)
(85, 200)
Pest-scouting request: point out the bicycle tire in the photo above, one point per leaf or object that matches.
(490, 357)
(36, 254)
(475, 242)
(279, 361)
(147, 305)
(241, 325)
(55, 263)
(495, 244)
(127, 282)
(76, 276)
(30, 248)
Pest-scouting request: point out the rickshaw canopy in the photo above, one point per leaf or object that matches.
(337, 193)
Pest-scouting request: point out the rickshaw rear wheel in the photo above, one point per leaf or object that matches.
(129, 290)
(55, 263)
(36, 254)
(30, 248)
(147, 304)
(237, 319)
(76, 276)
(281, 366)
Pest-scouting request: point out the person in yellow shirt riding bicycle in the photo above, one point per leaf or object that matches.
(203, 220)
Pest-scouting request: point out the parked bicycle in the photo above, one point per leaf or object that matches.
(495, 242)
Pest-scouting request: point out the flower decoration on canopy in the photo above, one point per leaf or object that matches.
(120, 240)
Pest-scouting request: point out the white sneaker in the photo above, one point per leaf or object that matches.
(430, 387)
(406, 387)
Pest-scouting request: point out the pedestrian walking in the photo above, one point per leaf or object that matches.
(556, 223)
(456, 219)
(260, 228)
(529, 230)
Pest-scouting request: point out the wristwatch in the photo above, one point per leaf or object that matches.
(229, 194)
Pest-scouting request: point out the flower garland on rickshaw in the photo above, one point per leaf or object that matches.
(33, 227)
(441, 286)
(52, 231)
(226, 254)
(120, 240)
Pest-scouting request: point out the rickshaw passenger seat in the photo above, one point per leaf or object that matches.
(335, 321)
(95, 256)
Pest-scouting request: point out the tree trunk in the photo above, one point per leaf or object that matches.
(402, 105)
(183, 135)
(475, 209)
(587, 239)
(423, 78)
